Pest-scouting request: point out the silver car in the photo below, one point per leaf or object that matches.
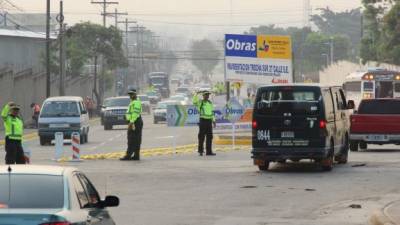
(51, 195)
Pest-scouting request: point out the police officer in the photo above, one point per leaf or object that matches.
(14, 129)
(207, 122)
(134, 128)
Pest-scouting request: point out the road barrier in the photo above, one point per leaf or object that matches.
(27, 153)
(75, 142)
(59, 143)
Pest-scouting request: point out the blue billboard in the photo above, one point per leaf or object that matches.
(241, 45)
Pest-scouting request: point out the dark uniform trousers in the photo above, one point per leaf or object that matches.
(205, 132)
(135, 139)
(14, 152)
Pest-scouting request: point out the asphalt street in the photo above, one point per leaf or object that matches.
(228, 189)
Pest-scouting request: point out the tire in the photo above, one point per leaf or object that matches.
(353, 146)
(328, 161)
(342, 158)
(155, 121)
(363, 145)
(43, 141)
(108, 127)
(82, 139)
(86, 138)
(264, 167)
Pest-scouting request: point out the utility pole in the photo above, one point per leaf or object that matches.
(115, 14)
(332, 53)
(105, 3)
(48, 49)
(60, 19)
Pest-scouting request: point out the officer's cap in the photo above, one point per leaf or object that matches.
(206, 92)
(132, 91)
(15, 107)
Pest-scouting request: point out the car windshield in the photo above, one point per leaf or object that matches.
(143, 98)
(22, 191)
(182, 90)
(379, 107)
(151, 94)
(116, 102)
(177, 98)
(158, 80)
(162, 105)
(60, 109)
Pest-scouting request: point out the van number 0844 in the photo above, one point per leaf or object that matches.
(263, 135)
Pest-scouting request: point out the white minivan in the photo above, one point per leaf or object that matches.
(65, 114)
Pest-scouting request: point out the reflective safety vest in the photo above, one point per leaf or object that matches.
(134, 110)
(14, 126)
(205, 108)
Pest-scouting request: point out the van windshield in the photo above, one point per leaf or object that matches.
(276, 101)
(60, 109)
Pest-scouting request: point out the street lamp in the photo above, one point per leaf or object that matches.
(331, 48)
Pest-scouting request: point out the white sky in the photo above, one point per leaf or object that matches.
(195, 18)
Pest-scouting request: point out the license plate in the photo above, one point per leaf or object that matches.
(377, 138)
(59, 125)
(121, 118)
(287, 134)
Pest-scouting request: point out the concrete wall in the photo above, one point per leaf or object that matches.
(26, 87)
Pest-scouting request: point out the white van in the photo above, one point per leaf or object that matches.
(63, 114)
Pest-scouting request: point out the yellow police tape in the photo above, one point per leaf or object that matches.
(184, 149)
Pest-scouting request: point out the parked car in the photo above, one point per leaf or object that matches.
(114, 110)
(377, 121)
(50, 195)
(63, 114)
(146, 107)
(295, 122)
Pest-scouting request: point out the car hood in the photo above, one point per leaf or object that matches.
(116, 107)
(59, 119)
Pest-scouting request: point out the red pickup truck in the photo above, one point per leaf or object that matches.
(377, 121)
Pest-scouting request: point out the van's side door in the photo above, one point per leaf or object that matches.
(84, 117)
(329, 109)
(340, 116)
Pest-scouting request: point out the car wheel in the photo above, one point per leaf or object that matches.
(327, 163)
(107, 127)
(86, 138)
(43, 141)
(344, 152)
(82, 139)
(155, 121)
(363, 145)
(353, 146)
(264, 167)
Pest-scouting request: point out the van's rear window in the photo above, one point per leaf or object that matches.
(288, 100)
(379, 107)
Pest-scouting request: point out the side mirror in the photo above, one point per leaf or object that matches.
(110, 201)
(350, 104)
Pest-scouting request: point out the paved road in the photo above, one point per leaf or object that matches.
(101, 141)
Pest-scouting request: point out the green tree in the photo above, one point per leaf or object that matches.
(347, 23)
(205, 56)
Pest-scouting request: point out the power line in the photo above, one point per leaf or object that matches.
(104, 4)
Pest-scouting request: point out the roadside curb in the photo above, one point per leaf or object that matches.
(227, 140)
(184, 149)
(383, 217)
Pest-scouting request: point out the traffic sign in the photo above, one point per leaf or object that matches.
(233, 110)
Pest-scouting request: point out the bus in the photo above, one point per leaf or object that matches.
(375, 83)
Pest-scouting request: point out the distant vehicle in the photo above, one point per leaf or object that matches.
(50, 195)
(63, 114)
(114, 110)
(154, 97)
(160, 112)
(183, 90)
(179, 99)
(374, 83)
(146, 107)
(300, 122)
(377, 121)
(175, 81)
(160, 81)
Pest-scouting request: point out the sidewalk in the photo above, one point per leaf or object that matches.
(389, 215)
